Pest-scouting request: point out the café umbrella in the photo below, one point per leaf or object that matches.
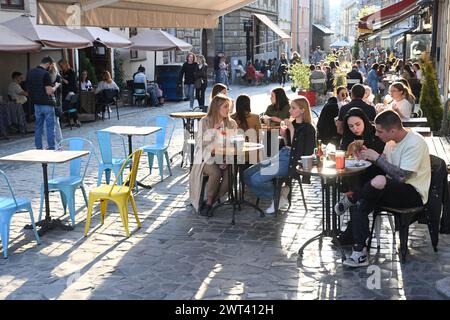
(49, 36)
(11, 41)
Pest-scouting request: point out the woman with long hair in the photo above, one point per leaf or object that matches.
(218, 88)
(245, 119)
(201, 80)
(300, 139)
(357, 126)
(400, 102)
(56, 78)
(85, 83)
(106, 83)
(213, 131)
(282, 69)
(279, 107)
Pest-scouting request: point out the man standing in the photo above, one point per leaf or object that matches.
(406, 162)
(41, 93)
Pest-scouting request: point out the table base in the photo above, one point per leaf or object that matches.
(320, 237)
(49, 224)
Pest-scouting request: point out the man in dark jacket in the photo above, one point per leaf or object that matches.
(354, 77)
(358, 92)
(41, 93)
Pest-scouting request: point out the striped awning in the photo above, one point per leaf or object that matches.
(266, 20)
(397, 12)
(136, 13)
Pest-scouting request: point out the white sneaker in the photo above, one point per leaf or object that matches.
(342, 206)
(271, 209)
(357, 259)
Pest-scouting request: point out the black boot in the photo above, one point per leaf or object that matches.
(205, 211)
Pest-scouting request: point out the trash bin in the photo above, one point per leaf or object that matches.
(167, 78)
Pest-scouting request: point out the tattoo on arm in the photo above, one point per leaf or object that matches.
(393, 171)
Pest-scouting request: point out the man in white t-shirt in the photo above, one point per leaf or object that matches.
(15, 91)
(406, 162)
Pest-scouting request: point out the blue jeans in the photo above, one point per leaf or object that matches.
(44, 113)
(189, 92)
(259, 176)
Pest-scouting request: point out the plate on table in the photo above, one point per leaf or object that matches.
(354, 164)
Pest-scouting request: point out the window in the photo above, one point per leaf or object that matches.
(12, 4)
(133, 53)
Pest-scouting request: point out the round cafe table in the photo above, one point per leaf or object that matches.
(188, 118)
(330, 178)
(236, 159)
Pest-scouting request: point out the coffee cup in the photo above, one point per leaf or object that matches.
(239, 142)
(340, 159)
(307, 162)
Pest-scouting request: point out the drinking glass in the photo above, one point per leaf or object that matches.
(283, 125)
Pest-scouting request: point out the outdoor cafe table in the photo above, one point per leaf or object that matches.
(236, 198)
(188, 118)
(415, 122)
(131, 131)
(424, 131)
(45, 157)
(269, 129)
(330, 178)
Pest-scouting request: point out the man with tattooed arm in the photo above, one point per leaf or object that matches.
(406, 163)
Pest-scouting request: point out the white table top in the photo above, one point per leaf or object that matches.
(45, 156)
(132, 130)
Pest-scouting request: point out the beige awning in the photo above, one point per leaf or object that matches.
(103, 36)
(266, 20)
(158, 40)
(49, 36)
(11, 41)
(136, 13)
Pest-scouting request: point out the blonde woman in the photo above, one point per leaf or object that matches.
(55, 77)
(400, 103)
(201, 80)
(106, 83)
(299, 136)
(215, 129)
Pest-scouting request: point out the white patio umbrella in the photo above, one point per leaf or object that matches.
(11, 41)
(158, 40)
(50, 36)
(340, 44)
(103, 36)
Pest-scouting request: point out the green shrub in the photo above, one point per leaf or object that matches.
(85, 64)
(119, 75)
(430, 102)
(299, 74)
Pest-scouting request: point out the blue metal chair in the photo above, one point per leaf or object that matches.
(8, 207)
(161, 142)
(68, 184)
(109, 163)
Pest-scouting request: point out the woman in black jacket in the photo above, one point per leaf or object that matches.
(357, 126)
(300, 139)
(201, 81)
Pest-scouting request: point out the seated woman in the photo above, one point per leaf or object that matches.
(248, 122)
(357, 126)
(400, 103)
(106, 83)
(213, 129)
(326, 126)
(300, 135)
(279, 109)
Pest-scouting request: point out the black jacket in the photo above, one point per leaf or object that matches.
(326, 128)
(303, 144)
(188, 70)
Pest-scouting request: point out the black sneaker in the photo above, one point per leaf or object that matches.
(205, 211)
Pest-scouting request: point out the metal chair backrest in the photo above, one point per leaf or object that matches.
(75, 165)
(9, 186)
(164, 136)
(109, 95)
(138, 86)
(131, 178)
(105, 146)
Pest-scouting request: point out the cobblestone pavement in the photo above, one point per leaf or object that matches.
(180, 255)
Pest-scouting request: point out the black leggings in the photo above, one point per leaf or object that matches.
(200, 95)
(395, 194)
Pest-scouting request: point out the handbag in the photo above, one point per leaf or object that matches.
(198, 83)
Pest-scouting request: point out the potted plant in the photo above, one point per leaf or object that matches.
(430, 102)
(299, 74)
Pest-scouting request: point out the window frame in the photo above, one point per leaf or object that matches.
(9, 5)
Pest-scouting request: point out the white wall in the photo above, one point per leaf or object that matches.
(10, 62)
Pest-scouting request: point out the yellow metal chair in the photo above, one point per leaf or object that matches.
(120, 195)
